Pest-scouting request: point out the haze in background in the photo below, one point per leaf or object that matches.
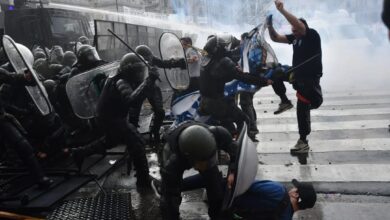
(356, 50)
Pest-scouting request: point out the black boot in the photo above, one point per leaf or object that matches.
(96, 147)
(141, 167)
(155, 140)
(37, 172)
(45, 182)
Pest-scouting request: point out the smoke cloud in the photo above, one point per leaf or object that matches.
(356, 50)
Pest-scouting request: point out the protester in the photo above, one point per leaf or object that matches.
(193, 60)
(307, 48)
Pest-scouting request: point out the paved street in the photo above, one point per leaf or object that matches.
(349, 157)
(348, 161)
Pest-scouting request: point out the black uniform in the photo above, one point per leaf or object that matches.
(13, 133)
(155, 99)
(307, 77)
(62, 103)
(175, 163)
(212, 83)
(80, 68)
(118, 96)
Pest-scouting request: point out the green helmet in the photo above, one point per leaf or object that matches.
(197, 143)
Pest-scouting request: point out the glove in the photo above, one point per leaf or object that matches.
(278, 73)
(291, 77)
(182, 64)
(4, 75)
(153, 74)
(269, 20)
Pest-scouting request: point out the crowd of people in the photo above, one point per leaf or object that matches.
(191, 144)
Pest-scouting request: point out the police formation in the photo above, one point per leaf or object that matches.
(37, 109)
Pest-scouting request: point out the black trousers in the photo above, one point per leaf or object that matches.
(280, 89)
(246, 103)
(226, 111)
(303, 117)
(155, 99)
(14, 137)
(120, 131)
(309, 95)
(210, 179)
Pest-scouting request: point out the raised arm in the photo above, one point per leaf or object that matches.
(274, 35)
(297, 25)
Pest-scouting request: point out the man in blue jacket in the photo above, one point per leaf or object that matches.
(264, 200)
(267, 199)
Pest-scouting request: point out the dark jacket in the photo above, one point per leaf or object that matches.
(220, 71)
(79, 68)
(175, 163)
(119, 95)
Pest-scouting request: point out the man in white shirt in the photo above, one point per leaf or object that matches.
(193, 61)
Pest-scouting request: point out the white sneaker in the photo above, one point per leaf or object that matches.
(300, 147)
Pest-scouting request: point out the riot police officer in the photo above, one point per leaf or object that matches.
(154, 96)
(14, 134)
(87, 58)
(195, 145)
(218, 69)
(121, 92)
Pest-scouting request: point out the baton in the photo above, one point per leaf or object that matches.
(123, 42)
(303, 63)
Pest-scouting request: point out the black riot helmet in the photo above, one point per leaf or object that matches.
(56, 54)
(3, 56)
(39, 54)
(83, 40)
(215, 47)
(133, 68)
(41, 66)
(197, 143)
(145, 52)
(87, 54)
(69, 59)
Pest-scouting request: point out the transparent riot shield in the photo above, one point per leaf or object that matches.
(171, 48)
(83, 90)
(246, 170)
(22, 60)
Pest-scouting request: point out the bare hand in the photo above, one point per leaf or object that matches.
(269, 82)
(230, 180)
(238, 68)
(28, 76)
(279, 5)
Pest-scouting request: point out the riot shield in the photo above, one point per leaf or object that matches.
(171, 48)
(22, 60)
(83, 90)
(246, 170)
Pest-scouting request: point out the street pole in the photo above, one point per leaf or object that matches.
(117, 8)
